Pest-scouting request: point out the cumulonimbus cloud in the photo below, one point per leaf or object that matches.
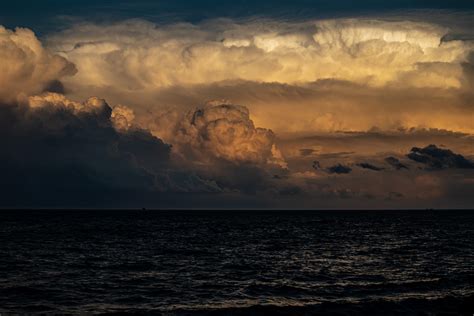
(61, 152)
(219, 131)
(53, 143)
(26, 67)
(141, 55)
(342, 74)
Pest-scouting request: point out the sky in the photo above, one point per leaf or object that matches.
(253, 104)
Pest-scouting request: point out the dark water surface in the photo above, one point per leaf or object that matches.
(298, 263)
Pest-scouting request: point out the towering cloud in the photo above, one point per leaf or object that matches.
(25, 66)
(342, 74)
(362, 51)
(222, 132)
(373, 80)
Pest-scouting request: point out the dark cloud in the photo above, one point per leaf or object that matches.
(437, 158)
(366, 165)
(61, 153)
(339, 169)
(53, 156)
(55, 86)
(394, 162)
(245, 178)
(316, 165)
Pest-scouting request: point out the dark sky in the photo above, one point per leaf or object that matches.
(47, 15)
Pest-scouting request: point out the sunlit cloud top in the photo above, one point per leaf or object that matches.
(371, 52)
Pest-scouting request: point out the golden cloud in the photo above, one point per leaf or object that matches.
(26, 67)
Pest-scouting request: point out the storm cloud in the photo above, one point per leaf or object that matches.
(438, 158)
(397, 74)
(347, 92)
(221, 131)
(58, 157)
(369, 166)
(336, 169)
(339, 169)
(407, 53)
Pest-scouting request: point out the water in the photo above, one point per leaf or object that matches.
(237, 262)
